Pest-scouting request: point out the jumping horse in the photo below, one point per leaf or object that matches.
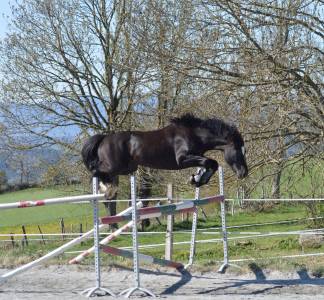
(182, 144)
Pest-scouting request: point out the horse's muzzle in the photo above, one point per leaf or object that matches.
(242, 172)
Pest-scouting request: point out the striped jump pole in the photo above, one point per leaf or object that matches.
(51, 201)
(143, 258)
(157, 211)
(105, 241)
(57, 251)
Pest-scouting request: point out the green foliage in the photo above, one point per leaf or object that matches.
(288, 244)
(206, 254)
(3, 180)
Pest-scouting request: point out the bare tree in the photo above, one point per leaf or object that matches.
(259, 63)
(92, 64)
(70, 63)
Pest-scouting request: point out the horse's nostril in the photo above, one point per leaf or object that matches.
(243, 172)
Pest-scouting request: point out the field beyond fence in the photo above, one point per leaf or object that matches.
(253, 233)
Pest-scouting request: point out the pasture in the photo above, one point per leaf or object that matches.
(242, 243)
(208, 253)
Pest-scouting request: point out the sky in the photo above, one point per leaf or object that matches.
(4, 12)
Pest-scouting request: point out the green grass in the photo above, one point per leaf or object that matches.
(297, 181)
(40, 215)
(246, 248)
(208, 253)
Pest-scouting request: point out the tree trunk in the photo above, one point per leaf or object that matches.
(275, 192)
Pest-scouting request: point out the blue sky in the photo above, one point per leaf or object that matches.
(4, 12)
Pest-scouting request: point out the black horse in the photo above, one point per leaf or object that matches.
(179, 145)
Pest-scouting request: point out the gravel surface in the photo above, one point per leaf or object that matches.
(66, 282)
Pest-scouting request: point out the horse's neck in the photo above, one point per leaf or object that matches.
(210, 140)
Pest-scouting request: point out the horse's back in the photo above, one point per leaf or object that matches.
(115, 146)
(154, 149)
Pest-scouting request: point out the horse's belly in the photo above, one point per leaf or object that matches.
(165, 164)
(158, 160)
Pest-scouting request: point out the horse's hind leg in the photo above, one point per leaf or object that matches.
(110, 190)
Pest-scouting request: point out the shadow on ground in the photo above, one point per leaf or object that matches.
(260, 279)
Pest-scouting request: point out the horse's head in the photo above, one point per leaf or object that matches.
(234, 154)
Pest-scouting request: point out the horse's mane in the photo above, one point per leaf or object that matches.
(217, 126)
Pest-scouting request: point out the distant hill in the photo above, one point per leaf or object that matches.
(35, 161)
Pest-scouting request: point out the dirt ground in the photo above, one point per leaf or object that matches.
(66, 282)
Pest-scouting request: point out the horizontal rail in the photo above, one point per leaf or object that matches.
(51, 201)
(56, 251)
(129, 200)
(157, 211)
(101, 198)
(105, 241)
(227, 200)
(262, 224)
(107, 234)
(117, 219)
(278, 200)
(142, 257)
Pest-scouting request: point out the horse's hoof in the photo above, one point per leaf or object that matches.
(113, 227)
(192, 180)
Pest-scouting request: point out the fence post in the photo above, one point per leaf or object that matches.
(169, 230)
(25, 240)
(137, 286)
(12, 240)
(40, 231)
(62, 228)
(81, 232)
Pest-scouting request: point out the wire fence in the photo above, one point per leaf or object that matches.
(234, 235)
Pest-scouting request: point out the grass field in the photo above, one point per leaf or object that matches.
(207, 253)
(48, 217)
(45, 215)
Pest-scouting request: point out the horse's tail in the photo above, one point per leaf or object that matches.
(90, 152)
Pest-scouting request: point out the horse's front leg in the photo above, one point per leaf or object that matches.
(211, 166)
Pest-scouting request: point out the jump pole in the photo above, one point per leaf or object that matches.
(51, 201)
(98, 290)
(137, 286)
(104, 241)
(142, 257)
(55, 252)
(157, 211)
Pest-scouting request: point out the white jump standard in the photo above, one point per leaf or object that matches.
(151, 212)
(98, 289)
(137, 286)
(132, 215)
